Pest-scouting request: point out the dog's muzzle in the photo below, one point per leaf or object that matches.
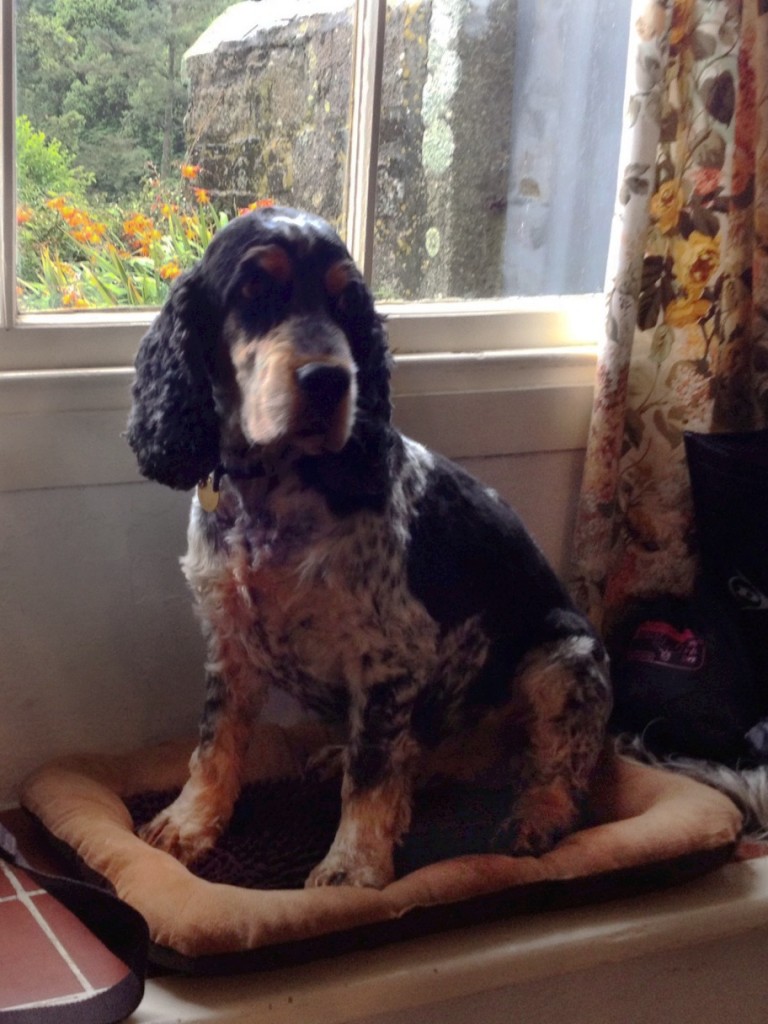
(326, 400)
(323, 386)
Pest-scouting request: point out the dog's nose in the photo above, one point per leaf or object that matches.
(324, 385)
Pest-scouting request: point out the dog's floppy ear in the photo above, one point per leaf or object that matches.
(368, 337)
(173, 428)
(375, 369)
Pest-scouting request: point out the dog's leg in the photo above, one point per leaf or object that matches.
(193, 822)
(372, 821)
(376, 792)
(565, 690)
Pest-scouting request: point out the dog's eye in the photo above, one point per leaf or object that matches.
(257, 285)
(265, 273)
(353, 301)
(263, 301)
(252, 288)
(346, 291)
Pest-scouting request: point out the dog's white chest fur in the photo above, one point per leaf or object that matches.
(320, 606)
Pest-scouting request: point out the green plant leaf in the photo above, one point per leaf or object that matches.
(107, 293)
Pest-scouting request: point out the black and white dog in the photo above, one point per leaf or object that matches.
(332, 557)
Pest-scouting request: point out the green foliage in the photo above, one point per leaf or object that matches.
(104, 76)
(44, 167)
(76, 256)
(101, 103)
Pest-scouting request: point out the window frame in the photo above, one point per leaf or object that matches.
(67, 339)
(453, 359)
(473, 379)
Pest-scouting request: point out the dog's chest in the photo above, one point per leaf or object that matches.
(336, 614)
(321, 606)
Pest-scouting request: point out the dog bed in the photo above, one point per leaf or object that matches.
(244, 906)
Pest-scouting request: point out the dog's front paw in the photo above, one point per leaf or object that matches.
(352, 869)
(543, 817)
(529, 840)
(186, 837)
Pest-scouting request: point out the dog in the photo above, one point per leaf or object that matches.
(328, 555)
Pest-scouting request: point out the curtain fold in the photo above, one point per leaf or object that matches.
(686, 344)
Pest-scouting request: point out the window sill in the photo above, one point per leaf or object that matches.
(670, 935)
(109, 338)
(63, 427)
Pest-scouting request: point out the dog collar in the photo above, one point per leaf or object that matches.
(209, 490)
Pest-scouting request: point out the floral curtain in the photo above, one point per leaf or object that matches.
(686, 345)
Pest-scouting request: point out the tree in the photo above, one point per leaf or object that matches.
(104, 77)
(45, 167)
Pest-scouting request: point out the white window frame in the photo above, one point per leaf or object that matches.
(476, 352)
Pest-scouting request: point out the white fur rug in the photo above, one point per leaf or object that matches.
(747, 787)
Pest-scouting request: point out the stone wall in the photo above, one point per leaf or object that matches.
(269, 96)
(268, 106)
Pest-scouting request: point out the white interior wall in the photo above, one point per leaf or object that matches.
(100, 648)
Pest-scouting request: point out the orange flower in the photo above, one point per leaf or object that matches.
(91, 234)
(121, 254)
(190, 171)
(696, 260)
(682, 21)
(23, 215)
(258, 204)
(84, 229)
(169, 271)
(137, 225)
(191, 229)
(72, 298)
(141, 232)
(202, 195)
(168, 208)
(666, 205)
(684, 311)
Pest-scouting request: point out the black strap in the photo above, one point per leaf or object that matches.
(122, 930)
(253, 472)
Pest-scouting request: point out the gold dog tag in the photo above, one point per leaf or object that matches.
(207, 495)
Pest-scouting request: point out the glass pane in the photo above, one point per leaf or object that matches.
(144, 125)
(499, 144)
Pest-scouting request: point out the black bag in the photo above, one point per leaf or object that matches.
(683, 681)
(729, 483)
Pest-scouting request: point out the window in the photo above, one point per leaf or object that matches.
(456, 146)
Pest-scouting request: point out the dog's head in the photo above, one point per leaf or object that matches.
(270, 341)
